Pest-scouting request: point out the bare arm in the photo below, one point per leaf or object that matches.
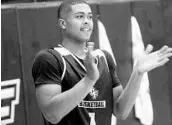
(55, 105)
(125, 99)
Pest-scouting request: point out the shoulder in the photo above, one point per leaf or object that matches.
(109, 57)
(99, 53)
(103, 53)
(42, 55)
(107, 54)
(47, 55)
(46, 58)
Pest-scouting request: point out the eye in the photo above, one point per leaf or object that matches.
(79, 16)
(90, 17)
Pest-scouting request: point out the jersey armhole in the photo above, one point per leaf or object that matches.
(64, 68)
(55, 51)
(104, 56)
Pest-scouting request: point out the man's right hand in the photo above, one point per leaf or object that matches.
(90, 63)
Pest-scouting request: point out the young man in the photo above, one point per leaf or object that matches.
(76, 85)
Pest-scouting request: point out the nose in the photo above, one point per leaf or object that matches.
(87, 20)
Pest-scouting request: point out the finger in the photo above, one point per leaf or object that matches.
(166, 56)
(169, 50)
(87, 52)
(149, 48)
(161, 63)
(90, 46)
(163, 49)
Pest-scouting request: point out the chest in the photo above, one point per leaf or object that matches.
(75, 71)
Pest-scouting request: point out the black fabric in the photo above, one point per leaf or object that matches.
(112, 69)
(46, 68)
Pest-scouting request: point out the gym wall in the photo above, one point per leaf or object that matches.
(29, 28)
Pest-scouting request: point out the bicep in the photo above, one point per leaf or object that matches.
(117, 92)
(44, 94)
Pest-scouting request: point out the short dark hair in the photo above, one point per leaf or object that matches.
(66, 5)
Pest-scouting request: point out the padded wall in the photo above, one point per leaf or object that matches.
(11, 63)
(38, 30)
(116, 18)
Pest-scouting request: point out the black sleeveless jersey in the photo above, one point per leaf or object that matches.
(97, 107)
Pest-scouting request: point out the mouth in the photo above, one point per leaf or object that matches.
(86, 30)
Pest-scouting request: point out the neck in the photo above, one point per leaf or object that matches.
(75, 47)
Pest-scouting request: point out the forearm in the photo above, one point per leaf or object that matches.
(149, 61)
(61, 104)
(126, 100)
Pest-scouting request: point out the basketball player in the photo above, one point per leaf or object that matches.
(76, 85)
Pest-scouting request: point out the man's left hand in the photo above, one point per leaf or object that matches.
(150, 61)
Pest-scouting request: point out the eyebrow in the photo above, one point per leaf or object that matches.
(83, 13)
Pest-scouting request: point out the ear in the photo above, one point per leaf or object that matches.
(62, 23)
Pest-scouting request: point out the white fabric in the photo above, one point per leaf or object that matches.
(143, 104)
(105, 45)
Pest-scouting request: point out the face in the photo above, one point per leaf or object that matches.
(79, 23)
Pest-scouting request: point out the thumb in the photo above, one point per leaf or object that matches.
(149, 49)
(90, 46)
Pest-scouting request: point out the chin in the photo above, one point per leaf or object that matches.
(84, 39)
(87, 38)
